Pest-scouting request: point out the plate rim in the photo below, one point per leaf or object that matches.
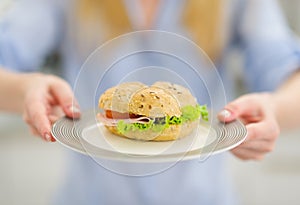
(111, 155)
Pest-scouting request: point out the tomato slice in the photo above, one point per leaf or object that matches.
(118, 115)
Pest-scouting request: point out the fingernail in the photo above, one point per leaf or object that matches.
(48, 137)
(74, 109)
(225, 113)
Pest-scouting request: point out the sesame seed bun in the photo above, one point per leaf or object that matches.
(182, 94)
(154, 102)
(117, 98)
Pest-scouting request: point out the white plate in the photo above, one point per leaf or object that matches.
(98, 136)
(84, 136)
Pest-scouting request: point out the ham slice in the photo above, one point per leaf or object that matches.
(113, 122)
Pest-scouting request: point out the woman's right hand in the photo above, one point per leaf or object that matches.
(46, 98)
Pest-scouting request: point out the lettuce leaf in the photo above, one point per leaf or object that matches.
(189, 113)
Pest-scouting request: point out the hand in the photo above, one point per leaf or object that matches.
(47, 98)
(256, 111)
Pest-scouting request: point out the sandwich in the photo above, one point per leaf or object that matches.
(161, 112)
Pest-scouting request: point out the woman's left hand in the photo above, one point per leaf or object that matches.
(257, 112)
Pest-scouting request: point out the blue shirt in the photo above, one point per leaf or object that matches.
(33, 29)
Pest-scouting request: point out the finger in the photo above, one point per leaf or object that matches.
(47, 138)
(52, 139)
(247, 106)
(64, 95)
(37, 114)
(246, 154)
(32, 128)
(261, 146)
(226, 116)
(264, 130)
(33, 131)
(57, 111)
(53, 118)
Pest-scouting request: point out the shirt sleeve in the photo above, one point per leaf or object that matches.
(29, 31)
(272, 51)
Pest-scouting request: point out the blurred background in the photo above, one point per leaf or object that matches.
(31, 169)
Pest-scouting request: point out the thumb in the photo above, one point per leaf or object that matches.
(246, 106)
(65, 97)
(226, 115)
